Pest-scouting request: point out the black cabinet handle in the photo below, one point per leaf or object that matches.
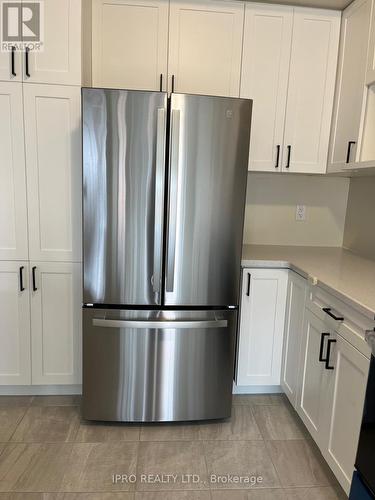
(329, 344)
(350, 144)
(22, 288)
(248, 284)
(172, 83)
(34, 279)
(12, 55)
(328, 311)
(289, 147)
(161, 82)
(322, 337)
(277, 156)
(27, 72)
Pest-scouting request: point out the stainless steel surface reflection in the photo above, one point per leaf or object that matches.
(135, 371)
(209, 149)
(123, 178)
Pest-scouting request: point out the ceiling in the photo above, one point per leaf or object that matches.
(325, 4)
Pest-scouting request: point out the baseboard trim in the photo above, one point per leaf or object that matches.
(56, 390)
(257, 389)
(40, 390)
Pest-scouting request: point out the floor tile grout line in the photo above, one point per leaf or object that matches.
(18, 424)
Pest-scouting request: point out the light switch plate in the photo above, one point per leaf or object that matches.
(301, 213)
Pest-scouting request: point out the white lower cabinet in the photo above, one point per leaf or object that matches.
(15, 361)
(56, 323)
(344, 394)
(40, 323)
(333, 378)
(261, 326)
(294, 317)
(312, 373)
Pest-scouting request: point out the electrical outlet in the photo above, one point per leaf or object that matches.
(301, 212)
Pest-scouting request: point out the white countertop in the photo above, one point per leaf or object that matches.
(341, 272)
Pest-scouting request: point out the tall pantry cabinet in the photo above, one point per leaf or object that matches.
(40, 205)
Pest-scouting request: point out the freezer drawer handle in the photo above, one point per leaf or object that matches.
(159, 197)
(160, 325)
(173, 192)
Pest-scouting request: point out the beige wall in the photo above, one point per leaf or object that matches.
(360, 219)
(271, 206)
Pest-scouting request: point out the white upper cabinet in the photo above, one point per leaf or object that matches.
(13, 211)
(265, 70)
(343, 406)
(130, 44)
(56, 301)
(15, 366)
(350, 85)
(289, 69)
(205, 43)
(311, 90)
(59, 61)
(295, 308)
(53, 165)
(261, 326)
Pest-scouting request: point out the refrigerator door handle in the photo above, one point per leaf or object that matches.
(159, 199)
(173, 192)
(159, 325)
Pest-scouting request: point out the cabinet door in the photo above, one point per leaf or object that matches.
(53, 164)
(370, 74)
(264, 78)
(15, 365)
(56, 323)
(261, 326)
(130, 44)
(13, 212)
(293, 335)
(312, 374)
(205, 45)
(311, 90)
(11, 66)
(344, 399)
(350, 82)
(59, 61)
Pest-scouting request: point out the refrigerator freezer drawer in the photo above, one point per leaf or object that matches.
(158, 366)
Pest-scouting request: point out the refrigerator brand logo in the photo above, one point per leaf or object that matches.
(22, 26)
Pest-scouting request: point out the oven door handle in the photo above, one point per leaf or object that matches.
(159, 325)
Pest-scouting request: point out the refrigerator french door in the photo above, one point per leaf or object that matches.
(164, 194)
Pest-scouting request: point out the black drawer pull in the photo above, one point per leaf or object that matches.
(322, 337)
(328, 311)
(289, 153)
(172, 84)
(277, 156)
(27, 71)
(13, 70)
(248, 284)
(350, 144)
(22, 288)
(161, 82)
(329, 344)
(34, 279)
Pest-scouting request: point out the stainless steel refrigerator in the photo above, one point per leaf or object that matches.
(164, 196)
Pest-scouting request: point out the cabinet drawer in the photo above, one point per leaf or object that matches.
(353, 325)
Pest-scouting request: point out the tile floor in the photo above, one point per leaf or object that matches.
(48, 453)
